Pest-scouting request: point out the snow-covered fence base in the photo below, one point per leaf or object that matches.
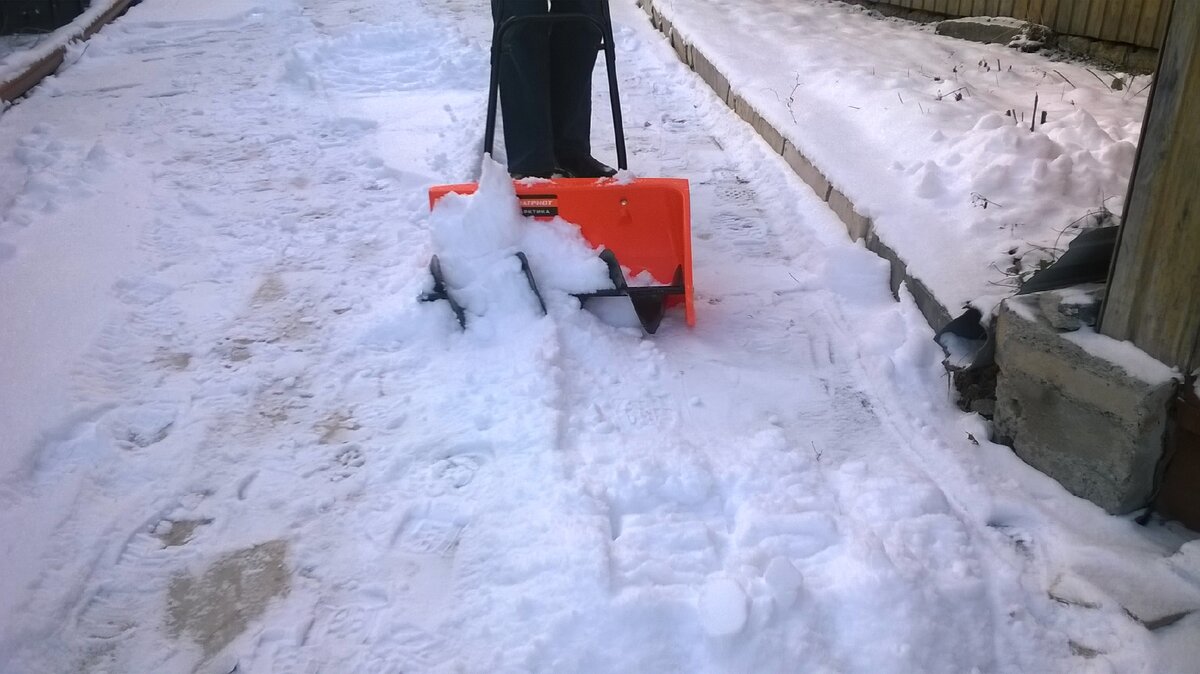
(25, 72)
(1087, 410)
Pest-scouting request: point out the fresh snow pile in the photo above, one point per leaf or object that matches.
(227, 380)
(478, 236)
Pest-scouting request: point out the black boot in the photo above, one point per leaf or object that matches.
(585, 166)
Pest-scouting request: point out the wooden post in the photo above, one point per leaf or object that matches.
(1154, 284)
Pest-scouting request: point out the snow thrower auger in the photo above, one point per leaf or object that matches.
(639, 225)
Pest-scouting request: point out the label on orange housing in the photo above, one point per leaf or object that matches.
(539, 205)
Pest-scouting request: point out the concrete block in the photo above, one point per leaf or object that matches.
(1081, 419)
(665, 25)
(857, 226)
(1074, 44)
(682, 48)
(713, 77)
(1142, 60)
(935, 314)
(747, 112)
(899, 270)
(805, 169)
(1109, 52)
(1073, 309)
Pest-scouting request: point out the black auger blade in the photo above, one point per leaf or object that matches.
(439, 291)
(649, 302)
(532, 283)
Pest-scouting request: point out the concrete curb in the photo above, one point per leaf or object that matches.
(858, 226)
(16, 86)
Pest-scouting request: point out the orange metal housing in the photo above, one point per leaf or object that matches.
(646, 222)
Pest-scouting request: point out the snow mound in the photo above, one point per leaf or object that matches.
(477, 237)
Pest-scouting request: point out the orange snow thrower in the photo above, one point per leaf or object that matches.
(642, 225)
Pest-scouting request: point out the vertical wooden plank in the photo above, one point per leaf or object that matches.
(1006, 8)
(1079, 17)
(1066, 14)
(993, 8)
(1095, 18)
(1152, 299)
(1036, 12)
(1113, 12)
(1020, 9)
(1194, 364)
(1147, 23)
(1049, 14)
(1130, 13)
(1164, 20)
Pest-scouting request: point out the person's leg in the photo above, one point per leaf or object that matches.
(524, 75)
(573, 49)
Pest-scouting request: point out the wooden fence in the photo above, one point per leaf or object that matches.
(1152, 296)
(1137, 22)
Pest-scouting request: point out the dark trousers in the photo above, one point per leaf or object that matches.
(545, 74)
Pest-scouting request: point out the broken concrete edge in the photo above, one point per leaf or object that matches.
(12, 87)
(934, 313)
(1082, 413)
(858, 226)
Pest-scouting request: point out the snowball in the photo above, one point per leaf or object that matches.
(722, 607)
(784, 580)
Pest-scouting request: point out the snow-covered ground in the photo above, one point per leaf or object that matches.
(915, 129)
(233, 439)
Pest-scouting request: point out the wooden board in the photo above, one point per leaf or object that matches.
(1152, 297)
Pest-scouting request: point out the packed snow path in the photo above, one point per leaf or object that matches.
(277, 460)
